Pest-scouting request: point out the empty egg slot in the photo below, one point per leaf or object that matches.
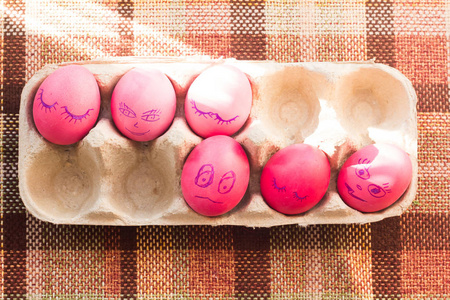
(63, 182)
(371, 98)
(291, 104)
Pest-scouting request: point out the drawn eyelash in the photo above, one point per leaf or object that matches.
(386, 187)
(45, 106)
(151, 115)
(297, 197)
(280, 189)
(126, 111)
(212, 115)
(73, 116)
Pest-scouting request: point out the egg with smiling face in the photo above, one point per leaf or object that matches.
(143, 104)
(215, 176)
(295, 179)
(66, 105)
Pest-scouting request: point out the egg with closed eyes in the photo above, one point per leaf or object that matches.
(219, 101)
(295, 179)
(66, 105)
(143, 104)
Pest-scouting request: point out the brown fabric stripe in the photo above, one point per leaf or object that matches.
(386, 264)
(128, 262)
(432, 97)
(248, 37)
(126, 12)
(380, 32)
(252, 263)
(15, 254)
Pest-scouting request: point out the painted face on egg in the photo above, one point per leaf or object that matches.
(218, 101)
(374, 177)
(295, 179)
(143, 104)
(215, 176)
(66, 105)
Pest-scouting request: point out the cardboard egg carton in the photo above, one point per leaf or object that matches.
(107, 179)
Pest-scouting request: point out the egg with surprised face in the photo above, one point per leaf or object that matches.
(218, 101)
(295, 179)
(66, 105)
(215, 176)
(374, 177)
(143, 104)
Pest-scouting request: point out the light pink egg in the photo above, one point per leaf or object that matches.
(219, 101)
(215, 176)
(143, 104)
(295, 179)
(66, 105)
(374, 177)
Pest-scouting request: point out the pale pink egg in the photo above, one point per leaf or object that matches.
(219, 101)
(143, 104)
(295, 179)
(66, 105)
(215, 176)
(374, 177)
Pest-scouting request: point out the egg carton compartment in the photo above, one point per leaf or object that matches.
(108, 179)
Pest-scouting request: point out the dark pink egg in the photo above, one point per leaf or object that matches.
(143, 104)
(66, 105)
(295, 179)
(215, 176)
(374, 177)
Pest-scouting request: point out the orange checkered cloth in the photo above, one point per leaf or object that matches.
(405, 257)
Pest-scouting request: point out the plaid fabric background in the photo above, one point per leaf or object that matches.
(406, 257)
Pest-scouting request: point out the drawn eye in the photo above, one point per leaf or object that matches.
(45, 106)
(280, 189)
(212, 115)
(205, 176)
(126, 111)
(227, 182)
(297, 197)
(72, 116)
(362, 169)
(376, 190)
(151, 115)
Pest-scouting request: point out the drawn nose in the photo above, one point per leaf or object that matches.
(136, 125)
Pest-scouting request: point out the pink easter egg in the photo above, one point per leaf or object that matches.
(143, 104)
(66, 105)
(215, 176)
(295, 179)
(374, 177)
(218, 102)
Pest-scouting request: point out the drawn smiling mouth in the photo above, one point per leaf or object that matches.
(137, 133)
(207, 198)
(351, 192)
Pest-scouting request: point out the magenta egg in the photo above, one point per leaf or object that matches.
(219, 101)
(67, 105)
(374, 177)
(295, 179)
(215, 176)
(143, 104)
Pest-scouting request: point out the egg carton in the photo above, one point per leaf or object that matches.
(108, 179)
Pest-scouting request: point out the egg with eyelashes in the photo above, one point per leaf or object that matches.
(374, 177)
(143, 104)
(295, 179)
(66, 105)
(219, 101)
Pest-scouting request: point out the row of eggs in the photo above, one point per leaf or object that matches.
(143, 103)
(216, 173)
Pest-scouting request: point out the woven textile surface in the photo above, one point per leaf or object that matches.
(405, 257)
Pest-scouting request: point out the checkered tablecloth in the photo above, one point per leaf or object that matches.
(406, 257)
